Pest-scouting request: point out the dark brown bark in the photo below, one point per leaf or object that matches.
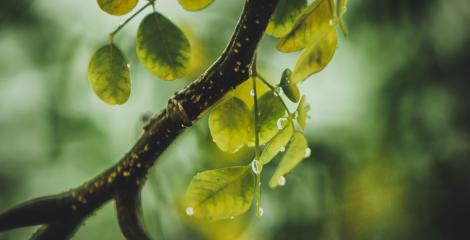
(62, 214)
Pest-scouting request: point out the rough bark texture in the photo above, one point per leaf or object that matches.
(61, 215)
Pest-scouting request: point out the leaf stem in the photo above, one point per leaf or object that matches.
(257, 153)
(113, 33)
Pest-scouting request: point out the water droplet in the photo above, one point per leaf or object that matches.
(282, 149)
(261, 211)
(255, 167)
(128, 65)
(331, 22)
(189, 211)
(281, 181)
(213, 140)
(308, 151)
(252, 92)
(280, 123)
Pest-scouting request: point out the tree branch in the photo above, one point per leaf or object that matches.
(62, 214)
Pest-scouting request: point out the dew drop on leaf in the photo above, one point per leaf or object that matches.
(189, 211)
(281, 181)
(308, 152)
(282, 149)
(280, 123)
(252, 92)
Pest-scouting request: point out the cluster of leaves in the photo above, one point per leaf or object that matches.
(255, 114)
(161, 47)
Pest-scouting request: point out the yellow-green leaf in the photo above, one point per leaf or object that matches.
(270, 110)
(296, 152)
(284, 17)
(108, 75)
(315, 20)
(314, 58)
(117, 7)
(277, 144)
(195, 5)
(302, 111)
(230, 125)
(162, 47)
(243, 91)
(221, 193)
(342, 7)
(290, 89)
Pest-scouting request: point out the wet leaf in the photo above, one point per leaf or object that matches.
(243, 91)
(230, 125)
(195, 5)
(302, 111)
(221, 193)
(162, 47)
(294, 155)
(290, 89)
(342, 7)
(314, 58)
(309, 27)
(271, 110)
(108, 75)
(117, 7)
(277, 143)
(284, 17)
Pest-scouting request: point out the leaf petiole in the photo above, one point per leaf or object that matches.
(113, 33)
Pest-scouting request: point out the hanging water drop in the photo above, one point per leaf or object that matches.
(308, 151)
(331, 22)
(189, 211)
(281, 181)
(255, 167)
(252, 92)
(282, 149)
(280, 123)
(260, 211)
(128, 65)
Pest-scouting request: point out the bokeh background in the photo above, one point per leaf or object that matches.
(389, 129)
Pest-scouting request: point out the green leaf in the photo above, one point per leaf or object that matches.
(294, 155)
(314, 58)
(195, 5)
(277, 144)
(221, 194)
(308, 28)
(117, 7)
(230, 124)
(342, 7)
(243, 91)
(162, 47)
(302, 111)
(284, 17)
(108, 75)
(270, 110)
(290, 89)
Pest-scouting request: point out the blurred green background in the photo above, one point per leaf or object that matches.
(389, 133)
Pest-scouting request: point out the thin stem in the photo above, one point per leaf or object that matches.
(113, 33)
(257, 153)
